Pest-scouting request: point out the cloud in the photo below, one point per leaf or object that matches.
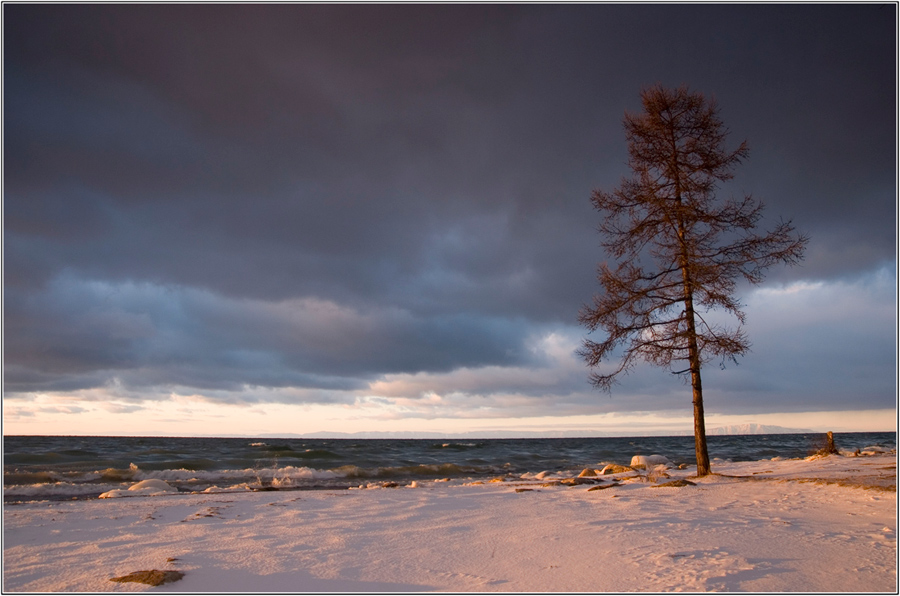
(339, 160)
(387, 207)
(816, 345)
(827, 344)
(81, 334)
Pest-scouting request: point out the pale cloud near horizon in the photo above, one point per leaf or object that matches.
(190, 417)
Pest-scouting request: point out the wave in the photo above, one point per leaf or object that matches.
(15, 478)
(262, 474)
(118, 473)
(55, 485)
(278, 448)
(457, 446)
(316, 453)
(196, 463)
(33, 458)
(287, 451)
(420, 470)
(59, 490)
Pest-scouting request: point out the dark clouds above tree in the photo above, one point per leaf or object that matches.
(423, 170)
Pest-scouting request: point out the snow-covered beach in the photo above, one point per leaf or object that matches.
(805, 525)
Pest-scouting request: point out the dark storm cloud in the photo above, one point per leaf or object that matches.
(424, 168)
(144, 335)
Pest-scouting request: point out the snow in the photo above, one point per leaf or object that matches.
(648, 461)
(152, 487)
(826, 524)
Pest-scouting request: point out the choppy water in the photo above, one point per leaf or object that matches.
(38, 468)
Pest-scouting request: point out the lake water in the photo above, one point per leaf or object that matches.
(53, 467)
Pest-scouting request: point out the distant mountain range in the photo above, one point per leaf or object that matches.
(755, 429)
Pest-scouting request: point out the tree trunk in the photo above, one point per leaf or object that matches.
(693, 351)
(696, 383)
(699, 425)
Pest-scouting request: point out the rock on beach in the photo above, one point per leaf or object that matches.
(151, 577)
(615, 469)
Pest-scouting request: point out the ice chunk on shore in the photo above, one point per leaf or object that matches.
(649, 461)
(145, 488)
(873, 450)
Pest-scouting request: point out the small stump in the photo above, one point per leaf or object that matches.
(153, 577)
(829, 443)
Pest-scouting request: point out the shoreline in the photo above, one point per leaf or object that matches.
(826, 524)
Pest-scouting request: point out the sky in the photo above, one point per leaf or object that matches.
(286, 219)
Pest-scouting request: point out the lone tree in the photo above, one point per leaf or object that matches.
(679, 251)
